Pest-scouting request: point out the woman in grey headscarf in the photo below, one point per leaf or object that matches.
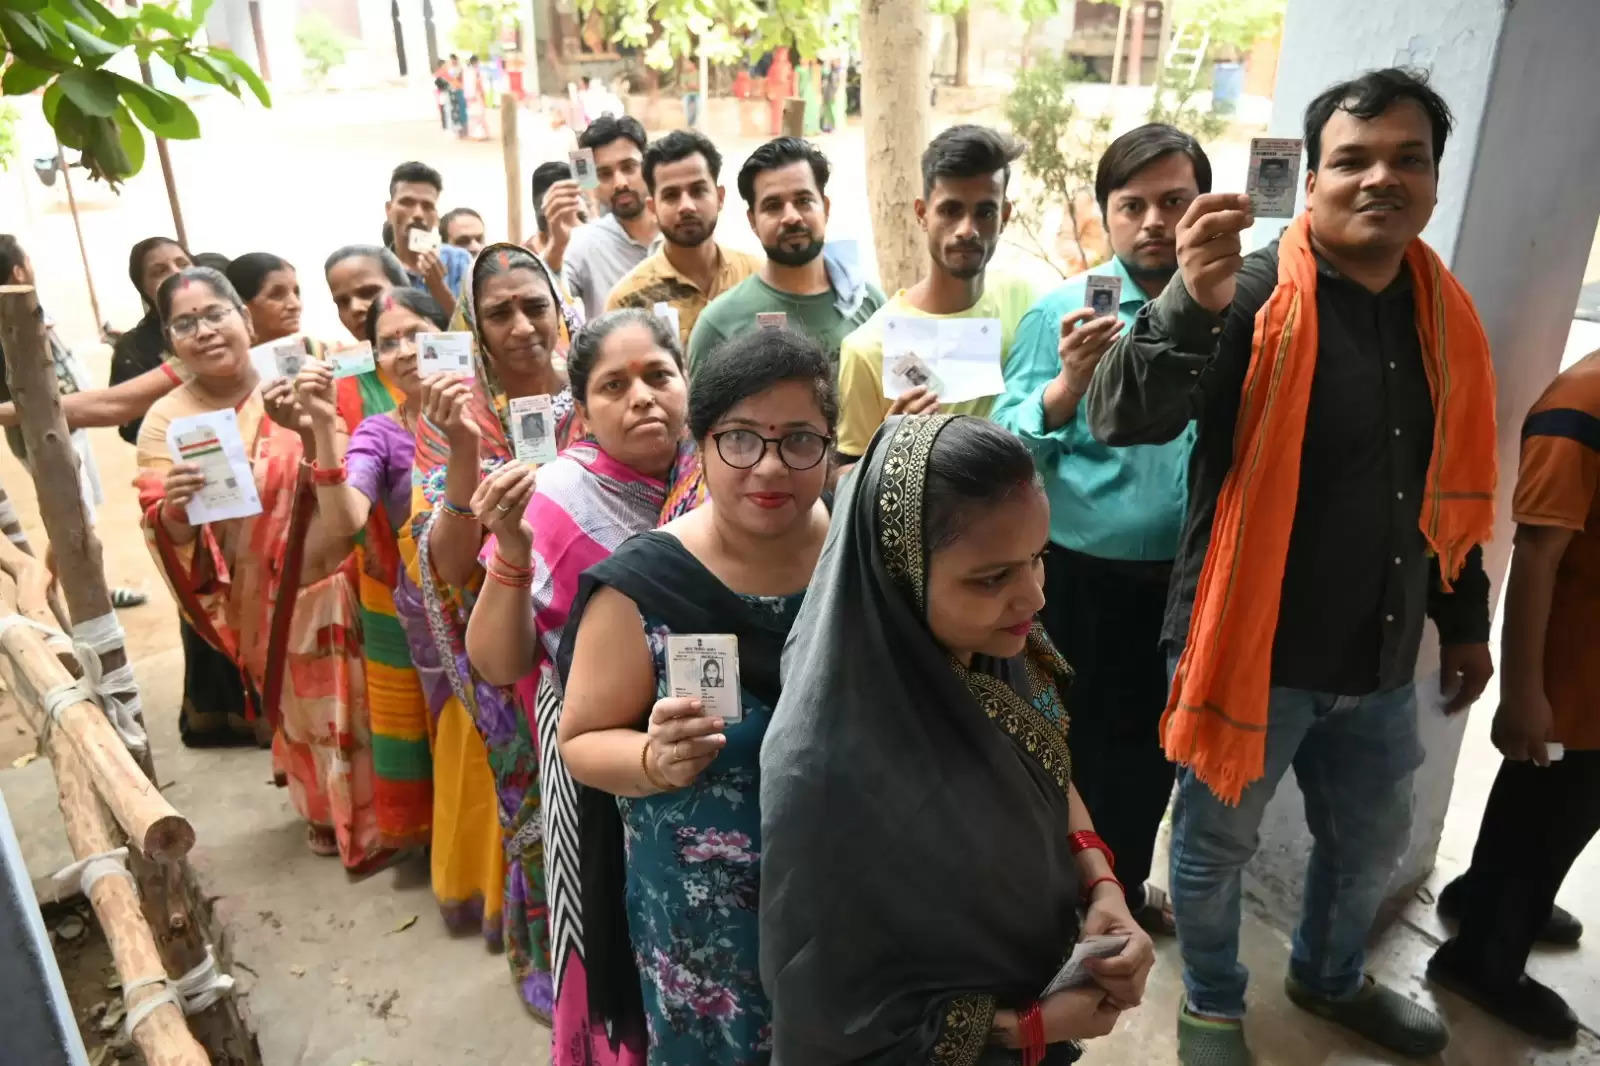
(925, 853)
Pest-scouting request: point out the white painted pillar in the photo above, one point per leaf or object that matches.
(1518, 200)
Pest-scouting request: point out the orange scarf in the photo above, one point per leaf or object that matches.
(1216, 717)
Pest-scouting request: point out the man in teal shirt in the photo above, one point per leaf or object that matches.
(1115, 513)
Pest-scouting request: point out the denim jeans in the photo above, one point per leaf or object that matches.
(1354, 757)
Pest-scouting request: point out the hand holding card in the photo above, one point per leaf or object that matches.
(705, 666)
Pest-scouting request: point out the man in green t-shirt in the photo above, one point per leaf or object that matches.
(799, 286)
(963, 209)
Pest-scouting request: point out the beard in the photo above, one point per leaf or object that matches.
(633, 208)
(689, 234)
(794, 257)
(968, 266)
(1151, 278)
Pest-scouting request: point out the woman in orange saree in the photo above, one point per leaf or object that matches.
(272, 591)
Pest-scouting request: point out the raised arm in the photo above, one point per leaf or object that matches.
(108, 407)
(342, 507)
(456, 537)
(502, 641)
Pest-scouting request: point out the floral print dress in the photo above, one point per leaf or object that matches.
(693, 884)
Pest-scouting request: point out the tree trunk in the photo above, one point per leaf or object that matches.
(894, 107)
(964, 45)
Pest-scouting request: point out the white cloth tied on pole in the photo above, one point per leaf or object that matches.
(115, 692)
(191, 993)
(88, 870)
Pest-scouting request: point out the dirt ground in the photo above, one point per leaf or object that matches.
(91, 981)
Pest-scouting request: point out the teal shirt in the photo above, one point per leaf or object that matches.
(1111, 503)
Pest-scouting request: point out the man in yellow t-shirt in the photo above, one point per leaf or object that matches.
(963, 209)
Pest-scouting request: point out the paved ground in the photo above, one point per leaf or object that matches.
(331, 976)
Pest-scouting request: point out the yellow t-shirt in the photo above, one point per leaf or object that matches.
(862, 405)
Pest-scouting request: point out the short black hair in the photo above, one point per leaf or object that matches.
(973, 465)
(382, 256)
(780, 152)
(136, 259)
(544, 176)
(752, 362)
(585, 350)
(968, 151)
(676, 147)
(11, 256)
(414, 300)
(1371, 95)
(607, 128)
(214, 280)
(1137, 149)
(450, 216)
(416, 173)
(249, 272)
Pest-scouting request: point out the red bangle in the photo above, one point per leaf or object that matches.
(512, 581)
(1088, 890)
(1089, 840)
(324, 476)
(1030, 1029)
(511, 567)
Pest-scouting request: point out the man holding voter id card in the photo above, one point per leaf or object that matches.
(1320, 361)
(1115, 513)
(941, 344)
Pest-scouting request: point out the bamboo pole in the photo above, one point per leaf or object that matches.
(508, 140)
(83, 731)
(163, 1036)
(54, 464)
(77, 227)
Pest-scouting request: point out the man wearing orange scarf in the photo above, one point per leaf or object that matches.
(1341, 483)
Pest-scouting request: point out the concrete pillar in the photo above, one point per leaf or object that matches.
(1517, 208)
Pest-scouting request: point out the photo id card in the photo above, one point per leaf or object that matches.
(1103, 295)
(1073, 974)
(211, 441)
(282, 358)
(669, 314)
(350, 362)
(582, 162)
(533, 429)
(705, 666)
(422, 240)
(444, 353)
(1274, 168)
(908, 371)
(772, 319)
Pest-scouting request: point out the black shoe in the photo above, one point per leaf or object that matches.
(1524, 1003)
(1378, 1013)
(1562, 929)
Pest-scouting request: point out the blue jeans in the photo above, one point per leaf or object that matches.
(1354, 757)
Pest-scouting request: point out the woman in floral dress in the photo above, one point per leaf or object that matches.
(671, 820)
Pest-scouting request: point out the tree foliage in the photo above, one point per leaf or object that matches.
(727, 30)
(64, 47)
(1234, 25)
(482, 24)
(322, 45)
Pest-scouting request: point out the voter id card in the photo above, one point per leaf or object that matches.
(533, 429)
(705, 666)
(444, 353)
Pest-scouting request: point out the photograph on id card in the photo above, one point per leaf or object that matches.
(908, 371)
(533, 429)
(1271, 180)
(1103, 294)
(352, 362)
(705, 666)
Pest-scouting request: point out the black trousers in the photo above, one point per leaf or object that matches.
(1537, 823)
(1105, 618)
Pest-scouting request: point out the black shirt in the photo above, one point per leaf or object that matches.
(1359, 579)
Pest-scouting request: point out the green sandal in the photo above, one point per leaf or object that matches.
(1204, 1042)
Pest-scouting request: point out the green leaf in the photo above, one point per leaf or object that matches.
(26, 5)
(112, 28)
(246, 74)
(24, 33)
(154, 16)
(22, 78)
(198, 10)
(164, 115)
(198, 68)
(132, 142)
(93, 91)
(51, 103)
(93, 50)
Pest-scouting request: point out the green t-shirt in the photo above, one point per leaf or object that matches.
(735, 311)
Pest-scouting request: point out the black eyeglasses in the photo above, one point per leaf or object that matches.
(744, 448)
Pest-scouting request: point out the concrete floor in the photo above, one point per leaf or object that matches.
(330, 976)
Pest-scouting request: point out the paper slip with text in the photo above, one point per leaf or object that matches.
(1274, 166)
(211, 441)
(1074, 974)
(963, 353)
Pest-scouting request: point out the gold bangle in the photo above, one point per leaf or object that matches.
(649, 775)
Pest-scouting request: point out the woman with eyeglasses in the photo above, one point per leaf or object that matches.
(633, 471)
(671, 820)
(276, 592)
